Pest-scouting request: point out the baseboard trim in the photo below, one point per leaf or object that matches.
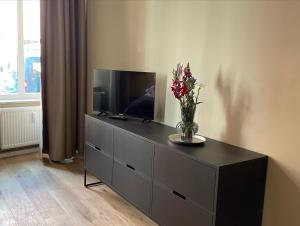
(12, 153)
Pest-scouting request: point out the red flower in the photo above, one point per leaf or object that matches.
(184, 89)
(176, 88)
(183, 83)
(187, 72)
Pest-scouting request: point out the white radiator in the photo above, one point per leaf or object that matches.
(19, 127)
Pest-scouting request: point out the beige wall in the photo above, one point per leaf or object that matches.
(247, 53)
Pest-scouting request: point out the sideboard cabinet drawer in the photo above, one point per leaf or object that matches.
(99, 134)
(134, 151)
(195, 180)
(99, 164)
(170, 208)
(136, 188)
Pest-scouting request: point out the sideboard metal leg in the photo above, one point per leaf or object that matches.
(91, 184)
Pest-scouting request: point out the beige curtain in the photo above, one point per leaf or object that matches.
(63, 57)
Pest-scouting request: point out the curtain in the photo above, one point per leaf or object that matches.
(63, 62)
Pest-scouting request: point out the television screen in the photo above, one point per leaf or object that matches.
(130, 93)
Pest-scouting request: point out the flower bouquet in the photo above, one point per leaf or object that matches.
(183, 86)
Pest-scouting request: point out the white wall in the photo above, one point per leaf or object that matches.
(247, 53)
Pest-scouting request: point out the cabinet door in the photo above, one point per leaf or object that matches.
(135, 151)
(99, 134)
(185, 175)
(171, 208)
(133, 186)
(98, 163)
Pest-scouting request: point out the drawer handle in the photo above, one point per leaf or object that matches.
(129, 166)
(178, 194)
(99, 149)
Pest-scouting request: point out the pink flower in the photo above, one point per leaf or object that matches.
(176, 88)
(187, 72)
(183, 83)
(184, 89)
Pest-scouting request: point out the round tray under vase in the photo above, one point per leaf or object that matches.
(176, 138)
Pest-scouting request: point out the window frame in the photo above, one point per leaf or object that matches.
(21, 94)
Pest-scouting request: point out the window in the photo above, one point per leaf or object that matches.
(20, 66)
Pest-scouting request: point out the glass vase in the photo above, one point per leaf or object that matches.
(187, 127)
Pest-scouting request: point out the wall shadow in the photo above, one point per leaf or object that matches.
(235, 107)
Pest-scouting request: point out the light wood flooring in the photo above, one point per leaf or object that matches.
(34, 192)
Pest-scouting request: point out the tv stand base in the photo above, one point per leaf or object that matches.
(118, 117)
(102, 113)
(146, 120)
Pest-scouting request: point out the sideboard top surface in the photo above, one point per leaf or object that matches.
(212, 152)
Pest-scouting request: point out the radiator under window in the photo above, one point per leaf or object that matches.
(19, 127)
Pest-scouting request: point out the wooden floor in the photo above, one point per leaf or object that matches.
(34, 192)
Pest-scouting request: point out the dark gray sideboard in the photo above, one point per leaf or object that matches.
(215, 184)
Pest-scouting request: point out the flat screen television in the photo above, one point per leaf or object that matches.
(129, 93)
